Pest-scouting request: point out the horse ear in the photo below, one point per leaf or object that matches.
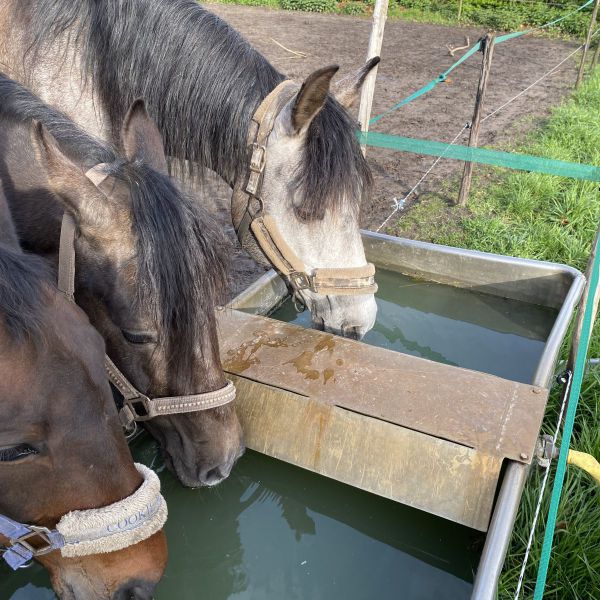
(141, 138)
(67, 180)
(347, 90)
(311, 97)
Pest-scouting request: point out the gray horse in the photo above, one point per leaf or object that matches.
(203, 83)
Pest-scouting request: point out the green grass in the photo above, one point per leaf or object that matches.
(555, 219)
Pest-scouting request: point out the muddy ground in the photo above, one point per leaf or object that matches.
(412, 55)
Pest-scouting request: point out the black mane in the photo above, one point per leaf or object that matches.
(202, 82)
(22, 293)
(180, 249)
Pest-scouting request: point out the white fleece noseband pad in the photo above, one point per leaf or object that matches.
(118, 525)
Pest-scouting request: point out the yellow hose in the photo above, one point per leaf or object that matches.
(586, 462)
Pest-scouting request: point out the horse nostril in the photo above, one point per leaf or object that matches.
(318, 323)
(352, 332)
(214, 476)
(141, 590)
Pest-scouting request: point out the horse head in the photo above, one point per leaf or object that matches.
(313, 177)
(61, 444)
(150, 267)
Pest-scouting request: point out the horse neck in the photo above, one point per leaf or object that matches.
(205, 123)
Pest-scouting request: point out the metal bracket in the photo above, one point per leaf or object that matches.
(546, 450)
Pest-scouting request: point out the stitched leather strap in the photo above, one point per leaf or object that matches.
(338, 281)
(66, 257)
(139, 407)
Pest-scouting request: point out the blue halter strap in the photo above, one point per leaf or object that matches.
(27, 541)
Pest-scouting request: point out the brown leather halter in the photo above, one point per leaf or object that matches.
(136, 406)
(247, 199)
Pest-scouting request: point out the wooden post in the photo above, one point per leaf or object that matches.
(488, 52)
(375, 42)
(588, 40)
(596, 57)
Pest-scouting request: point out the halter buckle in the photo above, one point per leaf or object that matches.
(37, 533)
(300, 281)
(257, 166)
(135, 409)
(258, 158)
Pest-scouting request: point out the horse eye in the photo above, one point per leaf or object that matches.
(15, 453)
(134, 337)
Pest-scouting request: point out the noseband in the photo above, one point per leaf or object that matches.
(136, 405)
(93, 531)
(247, 195)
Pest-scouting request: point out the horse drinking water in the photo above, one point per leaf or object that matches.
(62, 448)
(149, 270)
(288, 151)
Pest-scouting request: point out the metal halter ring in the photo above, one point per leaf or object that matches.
(300, 281)
(37, 533)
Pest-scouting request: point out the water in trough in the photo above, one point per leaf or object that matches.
(452, 325)
(274, 531)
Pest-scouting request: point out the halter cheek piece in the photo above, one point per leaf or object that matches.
(92, 531)
(136, 405)
(247, 200)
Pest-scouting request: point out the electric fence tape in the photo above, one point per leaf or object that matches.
(559, 477)
(510, 160)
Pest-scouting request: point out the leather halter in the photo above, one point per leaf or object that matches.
(247, 194)
(136, 405)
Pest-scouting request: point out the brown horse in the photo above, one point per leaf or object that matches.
(61, 443)
(204, 85)
(149, 269)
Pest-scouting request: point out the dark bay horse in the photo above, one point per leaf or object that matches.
(61, 443)
(203, 83)
(149, 269)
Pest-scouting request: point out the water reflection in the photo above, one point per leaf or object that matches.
(275, 531)
(454, 326)
(272, 531)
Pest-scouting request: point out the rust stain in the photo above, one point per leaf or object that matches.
(320, 417)
(304, 361)
(303, 364)
(339, 362)
(243, 357)
(326, 343)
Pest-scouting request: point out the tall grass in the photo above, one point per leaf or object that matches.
(555, 219)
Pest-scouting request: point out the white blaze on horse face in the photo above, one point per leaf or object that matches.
(332, 242)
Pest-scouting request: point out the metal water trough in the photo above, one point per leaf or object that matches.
(453, 442)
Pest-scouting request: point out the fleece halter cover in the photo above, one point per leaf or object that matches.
(92, 531)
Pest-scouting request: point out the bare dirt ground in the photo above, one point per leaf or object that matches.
(412, 55)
